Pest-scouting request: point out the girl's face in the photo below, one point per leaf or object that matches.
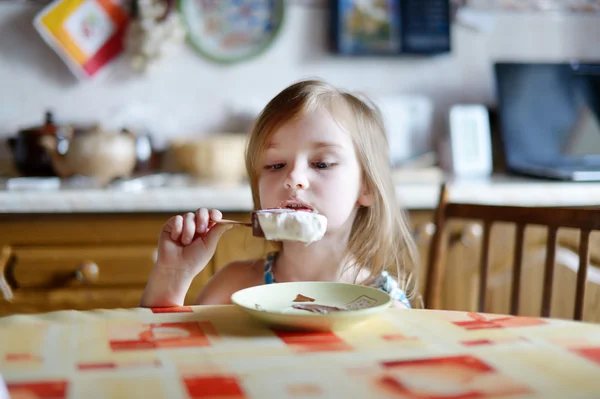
(311, 163)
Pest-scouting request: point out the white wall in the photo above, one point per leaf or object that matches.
(188, 95)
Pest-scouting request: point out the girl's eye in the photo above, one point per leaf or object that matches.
(323, 165)
(275, 166)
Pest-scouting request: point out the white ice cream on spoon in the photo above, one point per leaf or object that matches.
(292, 221)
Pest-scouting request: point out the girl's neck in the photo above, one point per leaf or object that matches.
(324, 260)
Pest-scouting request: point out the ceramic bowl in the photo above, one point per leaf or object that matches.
(273, 304)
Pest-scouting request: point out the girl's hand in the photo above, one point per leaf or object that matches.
(188, 242)
(185, 246)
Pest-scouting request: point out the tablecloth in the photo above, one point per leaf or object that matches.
(221, 352)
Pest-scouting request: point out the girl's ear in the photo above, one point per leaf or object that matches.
(366, 197)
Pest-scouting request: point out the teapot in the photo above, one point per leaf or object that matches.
(29, 156)
(95, 153)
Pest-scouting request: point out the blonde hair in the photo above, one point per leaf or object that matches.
(380, 238)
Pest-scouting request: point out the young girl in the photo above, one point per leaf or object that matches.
(317, 147)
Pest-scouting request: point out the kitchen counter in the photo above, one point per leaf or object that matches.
(415, 191)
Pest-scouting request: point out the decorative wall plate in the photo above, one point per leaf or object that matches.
(229, 31)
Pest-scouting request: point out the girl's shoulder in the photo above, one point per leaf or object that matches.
(241, 270)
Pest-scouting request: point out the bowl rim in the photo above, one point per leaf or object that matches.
(352, 312)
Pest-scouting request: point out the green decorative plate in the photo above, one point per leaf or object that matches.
(229, 31)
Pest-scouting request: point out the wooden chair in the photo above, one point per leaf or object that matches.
(583, 219)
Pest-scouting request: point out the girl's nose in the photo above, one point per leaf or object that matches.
(297, 186)
(296, 180)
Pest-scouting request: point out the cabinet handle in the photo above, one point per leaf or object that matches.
(87, 272)
(5, 290)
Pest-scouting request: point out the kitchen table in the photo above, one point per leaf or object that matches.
(220, 352)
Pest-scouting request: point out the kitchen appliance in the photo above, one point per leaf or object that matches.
(470, 140)
(408, 124)
(549, 116)
(29, 155)
(97, 153)
(39, 151)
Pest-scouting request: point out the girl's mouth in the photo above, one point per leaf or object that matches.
(296, 205)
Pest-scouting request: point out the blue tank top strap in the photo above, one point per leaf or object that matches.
(388, 283)
(268, 269)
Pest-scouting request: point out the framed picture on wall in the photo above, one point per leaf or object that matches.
(390, 27)
(366, 27)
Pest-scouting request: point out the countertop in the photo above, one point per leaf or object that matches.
(414, 191)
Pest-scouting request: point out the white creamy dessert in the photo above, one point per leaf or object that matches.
(290, 225)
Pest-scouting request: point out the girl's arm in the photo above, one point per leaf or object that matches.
(185, 246)
(233, 277)
(166, 287)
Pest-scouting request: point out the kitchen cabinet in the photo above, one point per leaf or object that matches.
(80, 261)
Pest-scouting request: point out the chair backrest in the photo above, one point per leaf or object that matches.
(583, 219)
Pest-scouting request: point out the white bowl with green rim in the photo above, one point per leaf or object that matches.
(273, 304)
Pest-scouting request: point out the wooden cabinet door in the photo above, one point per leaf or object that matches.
(72, 298)
(49, 267)
(47, 251)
